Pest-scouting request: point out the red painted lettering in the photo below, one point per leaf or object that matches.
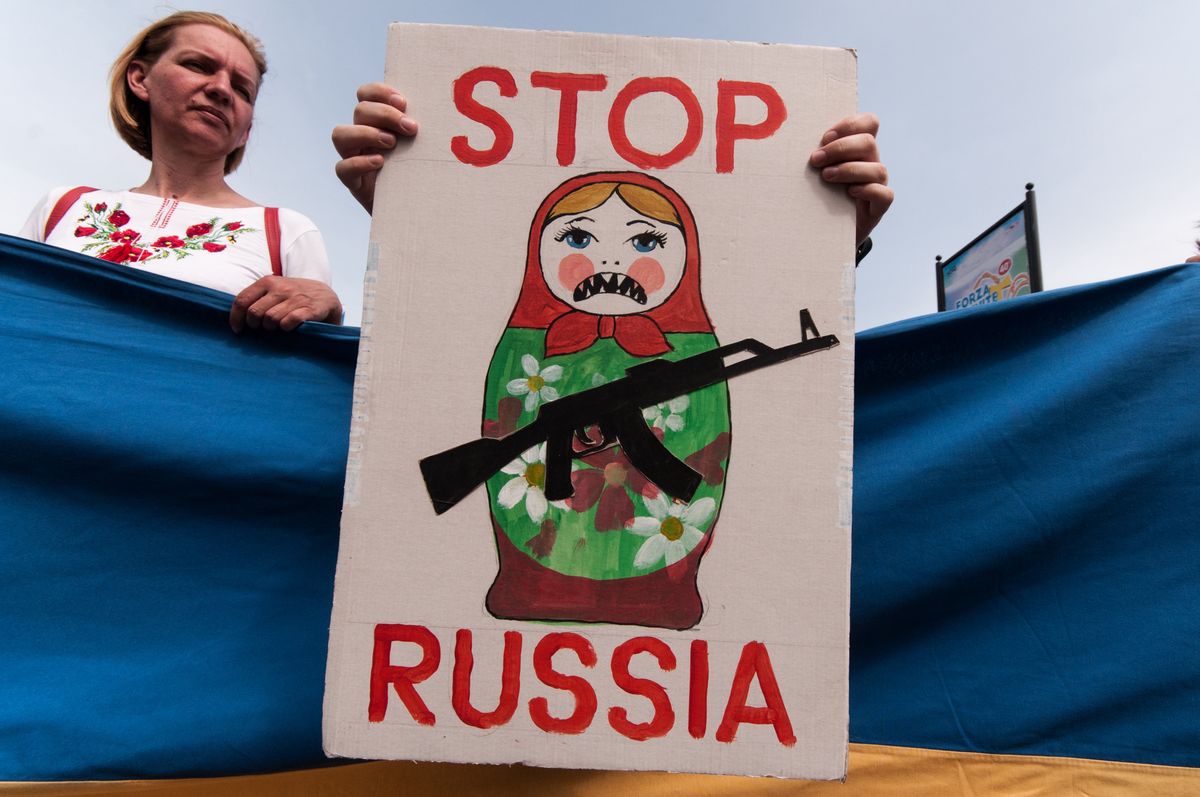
(698, 690)
(568, 85)
(585, 697)
(664, 716)
(729, 131)
(649, 85)
(403, 679)
(468, 106)
(510, 681)
(755, 662)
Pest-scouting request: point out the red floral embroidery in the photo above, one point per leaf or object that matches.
(116, 245)
(125, 253)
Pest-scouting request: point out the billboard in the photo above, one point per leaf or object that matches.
(1001, 263)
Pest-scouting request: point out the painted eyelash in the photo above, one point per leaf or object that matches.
(570, 228)
(657, 235)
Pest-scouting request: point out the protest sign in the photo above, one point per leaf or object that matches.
(597, 507)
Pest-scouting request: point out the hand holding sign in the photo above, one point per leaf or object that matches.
(378, 119)
(849, 155)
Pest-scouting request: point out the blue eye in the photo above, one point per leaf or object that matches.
(648, 241)
(575, 237)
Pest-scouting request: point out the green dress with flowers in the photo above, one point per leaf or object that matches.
(617, 527)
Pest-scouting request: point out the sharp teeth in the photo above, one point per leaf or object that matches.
(609, 282)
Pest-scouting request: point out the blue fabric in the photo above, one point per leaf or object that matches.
(169, 500)
(1026, 573)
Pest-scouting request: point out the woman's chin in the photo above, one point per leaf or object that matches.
(200, 144)
(195, 135)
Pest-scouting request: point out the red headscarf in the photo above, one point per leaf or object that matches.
(569, 330)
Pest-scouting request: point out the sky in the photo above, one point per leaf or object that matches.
(1095, 102)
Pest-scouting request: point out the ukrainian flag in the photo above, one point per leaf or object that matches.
(1026, 573)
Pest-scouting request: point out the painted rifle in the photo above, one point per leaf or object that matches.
(616, 409)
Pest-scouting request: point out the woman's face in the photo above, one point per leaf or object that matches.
(201, 92)
(612, 260)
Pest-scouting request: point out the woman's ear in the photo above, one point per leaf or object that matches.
(135, 78)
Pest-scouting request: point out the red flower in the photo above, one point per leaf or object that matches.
(508, 411)
(233, 225)
(103, 206)
(541, 544)
(200, 229)
(83, 232)
(608, 481)
(125, 236)
(212, 247)
(707, 461)
(169, 242)
(125, 253)
(118, 218)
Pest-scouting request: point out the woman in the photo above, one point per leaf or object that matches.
(182, 96)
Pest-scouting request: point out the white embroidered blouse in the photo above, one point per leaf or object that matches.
(221, 248)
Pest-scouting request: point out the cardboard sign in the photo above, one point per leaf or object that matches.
(597, 508)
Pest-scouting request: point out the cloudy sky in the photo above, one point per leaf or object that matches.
(1097, 102)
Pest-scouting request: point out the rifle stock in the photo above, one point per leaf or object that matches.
(452, 475)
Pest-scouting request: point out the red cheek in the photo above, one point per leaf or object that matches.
(573, 269)
(648, 273)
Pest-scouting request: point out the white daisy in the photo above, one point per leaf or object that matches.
(672, 530)
(668, 414)
(528, 483)
(534, 385)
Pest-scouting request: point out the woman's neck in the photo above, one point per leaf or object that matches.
(188, 181)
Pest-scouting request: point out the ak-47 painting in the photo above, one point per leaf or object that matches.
(597, 508)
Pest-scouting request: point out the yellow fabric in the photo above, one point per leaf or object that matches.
(875, 771)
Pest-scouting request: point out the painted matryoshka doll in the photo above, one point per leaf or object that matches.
(612, 278)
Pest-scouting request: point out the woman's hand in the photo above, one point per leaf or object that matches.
(284, 303)
(378, 119)
(848, 155)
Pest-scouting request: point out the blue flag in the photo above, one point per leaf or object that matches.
(1026, 562)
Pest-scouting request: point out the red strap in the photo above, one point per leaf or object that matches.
(271, 222)
(64, 204)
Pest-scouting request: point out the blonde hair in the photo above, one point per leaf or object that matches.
(646, 201)
(131, 115)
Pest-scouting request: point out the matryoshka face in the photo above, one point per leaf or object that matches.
(612, 260)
